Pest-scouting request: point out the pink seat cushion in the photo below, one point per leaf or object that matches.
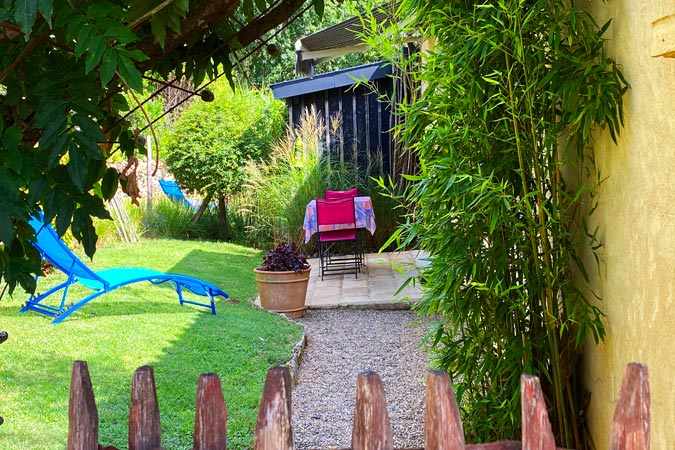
(337, 235)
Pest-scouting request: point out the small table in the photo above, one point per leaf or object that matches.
(363, 209)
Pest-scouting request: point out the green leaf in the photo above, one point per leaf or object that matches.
(120, 34)
(84, 39)
(319, 7)
(83, 230)
(88, 146)
(158, 29)
(64, 216)
(94, 54)
(46, 8)
(129, 73)
(108, 66)
(109, 183)
(134, 54)
(261, 5)
(90, 128)
(77, 167)
(11, 138)
(6, 227)
(48, 110)
(247, 9)
(24, 15)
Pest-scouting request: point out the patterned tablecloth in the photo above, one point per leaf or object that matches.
(365, 217)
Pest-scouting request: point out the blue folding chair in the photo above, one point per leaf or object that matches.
(101, 282)
(173, 191)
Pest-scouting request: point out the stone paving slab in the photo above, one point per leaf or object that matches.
(374, 288)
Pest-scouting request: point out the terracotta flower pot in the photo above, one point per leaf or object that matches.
(283, 292)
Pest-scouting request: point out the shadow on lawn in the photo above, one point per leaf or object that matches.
(144, 325)
(221, 269)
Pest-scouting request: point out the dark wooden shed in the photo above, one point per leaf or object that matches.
(364, 135)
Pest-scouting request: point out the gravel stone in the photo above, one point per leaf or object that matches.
(340, 345)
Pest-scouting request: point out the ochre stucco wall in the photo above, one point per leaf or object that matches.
(636, 218)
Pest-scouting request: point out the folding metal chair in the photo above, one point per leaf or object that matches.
(337, 224)
(348, 193)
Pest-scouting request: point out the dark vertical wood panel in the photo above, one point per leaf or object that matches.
(296, 107)
(335, 118)
(347, 124)
(326, 119)
(342, 126)
(365, 123)
(366, 126)
(385, 131)
(374, 140)
(355, 129)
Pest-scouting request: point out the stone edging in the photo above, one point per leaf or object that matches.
(293, 364)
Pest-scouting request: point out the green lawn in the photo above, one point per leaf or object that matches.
(138, 325)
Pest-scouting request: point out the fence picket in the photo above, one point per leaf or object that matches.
(442, 424)
(536, 432)
(82, 412)
(211, 415)
(372, 429)
(273, 428)
(145, 431)
(630, 426)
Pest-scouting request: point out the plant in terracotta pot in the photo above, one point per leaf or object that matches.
(282, 280)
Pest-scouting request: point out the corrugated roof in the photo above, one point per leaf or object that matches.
(337, 40)
(331, 80)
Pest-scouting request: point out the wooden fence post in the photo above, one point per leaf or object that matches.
(145, 432)
(630, 426)
(211, 415)
(372, 429)
(273, 428)
(536, 432)
(442, 424)
(82, 412)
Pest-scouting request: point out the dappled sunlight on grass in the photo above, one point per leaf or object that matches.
(137, 325)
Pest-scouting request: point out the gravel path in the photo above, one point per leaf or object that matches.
(340, 345)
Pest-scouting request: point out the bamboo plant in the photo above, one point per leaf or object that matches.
(512, 91)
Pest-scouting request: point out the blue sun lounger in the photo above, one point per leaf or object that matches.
(54, 250)
(173, 191)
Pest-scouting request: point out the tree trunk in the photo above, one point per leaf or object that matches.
(222, 219)
(204, 206)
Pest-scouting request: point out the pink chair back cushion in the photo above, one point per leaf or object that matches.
(349, 193)
(335, 212)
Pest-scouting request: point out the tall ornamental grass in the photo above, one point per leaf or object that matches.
(301, 167)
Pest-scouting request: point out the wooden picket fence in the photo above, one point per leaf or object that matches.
(371, 430)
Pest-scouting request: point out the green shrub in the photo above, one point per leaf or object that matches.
(212, 141)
